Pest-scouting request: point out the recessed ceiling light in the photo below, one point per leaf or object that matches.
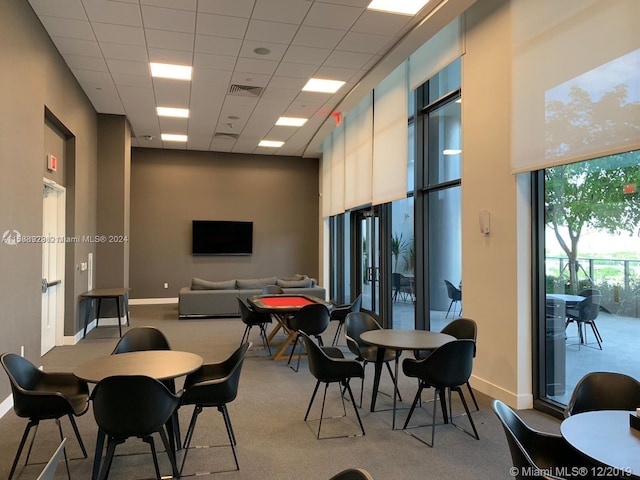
(404, 7)
(322, 85)
(172, 137)
(291, 121)
(451, 151)
(261, 51)
(165, 70)
(270, 143)
(173, 112)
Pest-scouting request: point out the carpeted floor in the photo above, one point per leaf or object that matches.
(273, 440)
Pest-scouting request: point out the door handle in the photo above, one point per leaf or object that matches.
(46, 284)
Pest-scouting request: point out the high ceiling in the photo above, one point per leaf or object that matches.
(250, 60)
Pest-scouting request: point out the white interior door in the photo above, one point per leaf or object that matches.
(52, 266)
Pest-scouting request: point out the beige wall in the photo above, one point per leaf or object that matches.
(495, 268)
(170, 188)
(35, 78)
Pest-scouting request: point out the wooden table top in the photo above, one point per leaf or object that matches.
(406, 339)
(158, 364)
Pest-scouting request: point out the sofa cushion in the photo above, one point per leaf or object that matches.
(253, 283)
(304, 283)
(200, 284)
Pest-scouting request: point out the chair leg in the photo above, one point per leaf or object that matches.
(170, 453)
(106, 465)
(466, 409)
(413, 405)
(324, 398)
(336, 337)
(353, 402)
(448, 309)
(64, 451)
(596, 333)
(232, 438)
(152, 446)
(313, 396)
(187, 439)
(265, 340)
(473, 397)
(245, 335)
(25, 434)
(393, 380)
(98, 454)
(77, 432)
(295, 344)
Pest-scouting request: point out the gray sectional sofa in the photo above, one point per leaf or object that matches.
(219, 299)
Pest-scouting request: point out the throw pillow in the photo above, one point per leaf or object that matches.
(200, 284)
(255, 283)
(305, 283)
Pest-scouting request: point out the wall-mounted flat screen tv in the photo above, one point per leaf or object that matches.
(222, 237)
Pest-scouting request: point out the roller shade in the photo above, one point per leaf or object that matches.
(358, 133)
(575, 81)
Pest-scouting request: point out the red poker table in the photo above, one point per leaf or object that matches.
(280, 306)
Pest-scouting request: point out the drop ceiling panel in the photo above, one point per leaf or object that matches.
(379, 23)
(206, 61)
(123, 34)
(71, 9)
(126, 80)
(70, 46)
(221, 25)
(81, 62)
(363, 42)
(298, 70)
(125, 66)
(171, 94)
(308, 36)
(124, 52)
(234, 8)
(287, 11)
(306, 55)
(327, 15)
(173, 125)
(271, 32)
(217, 45)
(276, 50)
(189, 5)
(67, 27)
(347, 59)
(248, 65)
(290, 83)
(115, 13)
(169, 19)
(170, 40)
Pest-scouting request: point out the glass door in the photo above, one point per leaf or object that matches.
(366, 225)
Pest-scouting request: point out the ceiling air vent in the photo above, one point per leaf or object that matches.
(245, 90)
(232, 136)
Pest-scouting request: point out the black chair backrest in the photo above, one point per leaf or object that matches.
(313, 319)
(453, 292)
(356, 324)
(227, 379)
(590, 291)
(396, 280)
(352, 474)
(272, 290)
(520, 437)
(357, 304)
(49, 470)
(250, 316)
(22, 373)
(449, 365)
(462, 328)
(142, 338)
(328, 369)
(132, 405)
(24, 376)
(589, 308)
(604, 391)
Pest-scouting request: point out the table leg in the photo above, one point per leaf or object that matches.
(98, 454)
(119, 316)
(87, 314)
(125, 301)
(281, 351)
(376, 378)
(395, 389)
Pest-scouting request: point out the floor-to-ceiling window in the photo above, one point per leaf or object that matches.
(589, 250)
(438, 183)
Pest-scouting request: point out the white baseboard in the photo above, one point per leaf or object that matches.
(6, 405)
(152, 301)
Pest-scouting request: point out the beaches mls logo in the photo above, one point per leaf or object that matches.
(11, 237)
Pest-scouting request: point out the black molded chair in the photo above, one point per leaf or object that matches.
(533, 452)
(39, 395)
(139, 339)
(356, 324)
(455, 294)
(447, 368)
(214, 385)
(339, 313)
(585, 313)
(128, 406)
(401, 287)
(352, 474)
(313, 319)
(49, 470)
(328, 365)
(460, 328)
(272, 290)
(604, 391)
(251, 319)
